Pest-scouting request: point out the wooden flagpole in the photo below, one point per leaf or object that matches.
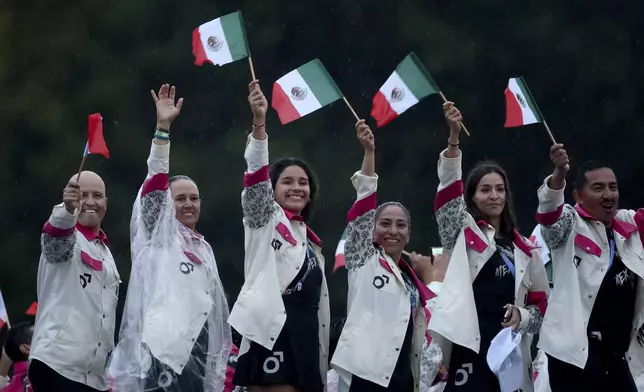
(462, 125)
(545, 124)
(350, 108)
(80, 169)
(252, 69)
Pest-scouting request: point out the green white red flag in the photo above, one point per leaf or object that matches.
(339, 253)
(407, 85)
(520, 106)
(303, 91)
(220, 41)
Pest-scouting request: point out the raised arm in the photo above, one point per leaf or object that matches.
(58, 235)
(555, 217)
(154, 192)
(358, 247)
(258, 202)
(449, 204)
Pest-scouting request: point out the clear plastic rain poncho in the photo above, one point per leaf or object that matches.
(174, 334)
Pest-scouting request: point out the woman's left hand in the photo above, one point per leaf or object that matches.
(515, 317)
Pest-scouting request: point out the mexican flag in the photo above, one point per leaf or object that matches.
(303, 91)
(220, 41)
(4, 317)
(339, 253)
(520, 106)
(407, 85)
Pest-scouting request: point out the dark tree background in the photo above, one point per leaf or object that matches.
(61, 60)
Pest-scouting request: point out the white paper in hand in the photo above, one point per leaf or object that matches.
(505, 360)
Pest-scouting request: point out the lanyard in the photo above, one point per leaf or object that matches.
(310, 262)
(612, 252)
(507, 262)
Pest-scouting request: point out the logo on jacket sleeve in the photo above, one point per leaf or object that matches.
(576, 260)
(85, 279)
(186, 268)
(380, 281)
(276, 244)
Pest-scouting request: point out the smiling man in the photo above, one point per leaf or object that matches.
(77, 293)
(590, 330)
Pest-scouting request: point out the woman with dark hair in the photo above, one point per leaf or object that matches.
(174, 335)
(282, 311)
(495, 278)
(385, 331)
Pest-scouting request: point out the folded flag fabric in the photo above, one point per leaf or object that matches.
(220, 41)
(95, 141)
(406, 86)
(339, 253)
(303, 91)
(32, 310)
(520, 106)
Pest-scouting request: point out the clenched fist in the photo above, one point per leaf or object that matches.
(72, 195)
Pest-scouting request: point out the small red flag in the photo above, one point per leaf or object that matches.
(95, 141)
(31, 311)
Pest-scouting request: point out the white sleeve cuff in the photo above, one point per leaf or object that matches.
(364, 185)
(159, 159)
(256, 153)
(449, 169)
(61, 218)
(525, 318)
(550, 199)
(158, 151)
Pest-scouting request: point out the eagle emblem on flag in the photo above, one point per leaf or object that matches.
(299, 93)
(215, 43)
(520, 100)
(397, 94)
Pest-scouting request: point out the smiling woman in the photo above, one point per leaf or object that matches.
(283, 308)
(187, 202)
(495, 278)
(295, 186)
(174, 336)
(386, 299)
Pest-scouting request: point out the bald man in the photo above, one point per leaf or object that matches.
(77, 293)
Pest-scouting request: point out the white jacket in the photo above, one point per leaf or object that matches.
(470, 245)
(275, 244)
(378, 304)
(571, 234)
(77, 294)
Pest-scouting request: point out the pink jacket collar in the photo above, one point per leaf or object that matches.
(625, 229)
(309, 233)
(91, 235)
(518, 240)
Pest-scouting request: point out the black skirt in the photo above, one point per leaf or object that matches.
(295, 357)
(161, 378)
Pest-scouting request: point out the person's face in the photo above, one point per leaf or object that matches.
(292, 189)
(93, 200)
(490, 196)
(187, 203)
(600, 195)
(392, 230)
